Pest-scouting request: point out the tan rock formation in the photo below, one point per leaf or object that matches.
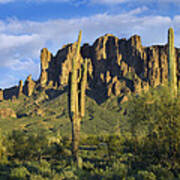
(124, 99)
(29, 86)
(108, 77)
(135, 41)
(113, 60)
(45, 60)
(20, 88)
(1, 95)
(117, 67)
(109, 90)
(64, 62)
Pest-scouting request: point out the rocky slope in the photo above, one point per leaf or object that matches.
(117, 67)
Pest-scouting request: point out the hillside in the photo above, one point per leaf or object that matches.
(38, 111)
(131, 127)
(118, 69)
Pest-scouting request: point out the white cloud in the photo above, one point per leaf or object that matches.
(21, 41)
(9, 41)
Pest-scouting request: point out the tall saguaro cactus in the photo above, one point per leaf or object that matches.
(77, 97)
(172, 78)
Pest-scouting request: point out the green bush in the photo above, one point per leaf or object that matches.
(33, 145)
(115, 145)
(19, 173)
(37, 177)
(3, 147)
(145, 175)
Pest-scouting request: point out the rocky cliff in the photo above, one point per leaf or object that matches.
(118, 67)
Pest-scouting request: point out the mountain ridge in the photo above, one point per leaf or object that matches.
(118, 67)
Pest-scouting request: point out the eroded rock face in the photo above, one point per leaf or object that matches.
(114, 61)
(29, 86)
(45, 60)
(1, 95)
(9, 93)
(64, 62)
(117, 67)
(20, 88)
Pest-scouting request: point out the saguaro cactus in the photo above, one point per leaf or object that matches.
(83, 88)
(172, 78)
(77, 97)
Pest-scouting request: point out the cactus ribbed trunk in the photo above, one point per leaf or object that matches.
(75, 136)
(74, 80)
(83, 88)
(172, 78)
(74, 110)
(77, 89)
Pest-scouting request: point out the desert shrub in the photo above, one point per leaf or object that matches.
(27, 146)
(3, 148)
(37, 177)
(19, 173)
(33, 145)
(91, 140)
(117, 171)
(155, 127)
(114, 145)
(44, 168)
(161, 172)
(145, 175)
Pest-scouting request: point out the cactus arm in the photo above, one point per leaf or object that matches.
(80, 75)
(172, 78)
(83, 88)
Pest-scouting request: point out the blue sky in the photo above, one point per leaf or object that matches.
(26, 26)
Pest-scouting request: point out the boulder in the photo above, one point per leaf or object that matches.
(7, 113)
